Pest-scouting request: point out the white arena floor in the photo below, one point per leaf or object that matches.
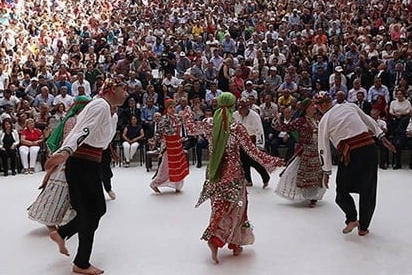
(145, 233)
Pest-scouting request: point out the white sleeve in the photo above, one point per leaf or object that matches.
(325, 154)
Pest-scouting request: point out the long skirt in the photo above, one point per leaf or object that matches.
(229, 222)
(288, 189)
(52, 206)
(161, 178)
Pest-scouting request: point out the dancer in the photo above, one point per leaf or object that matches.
(225, 185)
(348, 128)
(52, 206)
(174, 166)
(82, 152)
(253, 125)
(302, 179)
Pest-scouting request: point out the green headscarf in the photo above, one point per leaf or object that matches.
(55, 139)
(220, 132)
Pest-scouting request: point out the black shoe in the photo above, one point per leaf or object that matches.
(199, 164)
(13, 173)
(383, 166)
(397, 167)
(410, 166)
(6, 174)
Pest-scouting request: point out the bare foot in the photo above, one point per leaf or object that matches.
(213, 250)
(350, 226)
(51, 228)
(55, 236)
(177, 191)
(237, 250)
(91, 270)
(155, 189)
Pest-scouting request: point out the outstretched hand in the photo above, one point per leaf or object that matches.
(325, 181)
(55, 160)
(388, 145)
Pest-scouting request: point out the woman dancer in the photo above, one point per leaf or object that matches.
(173, 167)
(52, 206)
(302, 179)
(225, 184)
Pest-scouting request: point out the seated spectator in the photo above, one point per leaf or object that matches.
(363, 104)
(146, 115)
(403, 137)
(31, 138)
(64, 97)
(202, 142)
(277, 138)
(43, 97)
(132, 136)
(286, 98)
(353, 93)
(383, 151)
(9, 140)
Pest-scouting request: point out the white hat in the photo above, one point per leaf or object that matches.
(182, 54)
(248, 82)
(280, 39)
(338, 69)
(34, 79)
(250, 43)
(273, 68)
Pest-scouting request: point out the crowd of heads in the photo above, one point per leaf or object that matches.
(288, 49)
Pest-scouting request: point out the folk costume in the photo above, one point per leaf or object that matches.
(350, 130)
(92, 133)
(174, 166)
(52, 206)
(225, 184)
(302, 178)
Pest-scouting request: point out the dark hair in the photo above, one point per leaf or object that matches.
(3, 123)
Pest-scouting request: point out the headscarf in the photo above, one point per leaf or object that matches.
(55, 139)
(220, 132)
(304, 105)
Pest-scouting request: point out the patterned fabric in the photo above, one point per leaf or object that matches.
(52, 206)
(309, 172)
(89, 153)
(178, 165)
(228, 221)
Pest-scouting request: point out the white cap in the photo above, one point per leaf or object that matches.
(338, 69)
(249, 82)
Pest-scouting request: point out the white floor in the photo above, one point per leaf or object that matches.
(144, 233)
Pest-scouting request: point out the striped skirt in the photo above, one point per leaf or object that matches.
(52, 206)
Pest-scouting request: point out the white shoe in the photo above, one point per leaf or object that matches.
(112, 195)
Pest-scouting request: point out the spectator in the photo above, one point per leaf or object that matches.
(31, 139)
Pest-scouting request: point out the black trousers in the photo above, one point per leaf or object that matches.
(360, 176)
(248, 162)
(11, 153)
(106, 170)
(87, 198)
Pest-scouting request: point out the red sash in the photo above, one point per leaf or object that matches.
(178, 165)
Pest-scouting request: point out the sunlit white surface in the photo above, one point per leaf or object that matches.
(145, 233)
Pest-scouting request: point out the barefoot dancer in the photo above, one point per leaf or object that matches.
(225, 184)
(173, 167)
(82, 152)
(52, 206)
(350, 130)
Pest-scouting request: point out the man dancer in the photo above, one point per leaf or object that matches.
(82, 152)
(348, 128)
(253, 124)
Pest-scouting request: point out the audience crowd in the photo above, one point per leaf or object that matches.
(274, 53)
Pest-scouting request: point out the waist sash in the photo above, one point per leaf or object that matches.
(347, 145)
(88, 152)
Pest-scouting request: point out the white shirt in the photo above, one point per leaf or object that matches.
(253, 125)
(341, 122)
(66, 100)
(85, 84)
(95, 126)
